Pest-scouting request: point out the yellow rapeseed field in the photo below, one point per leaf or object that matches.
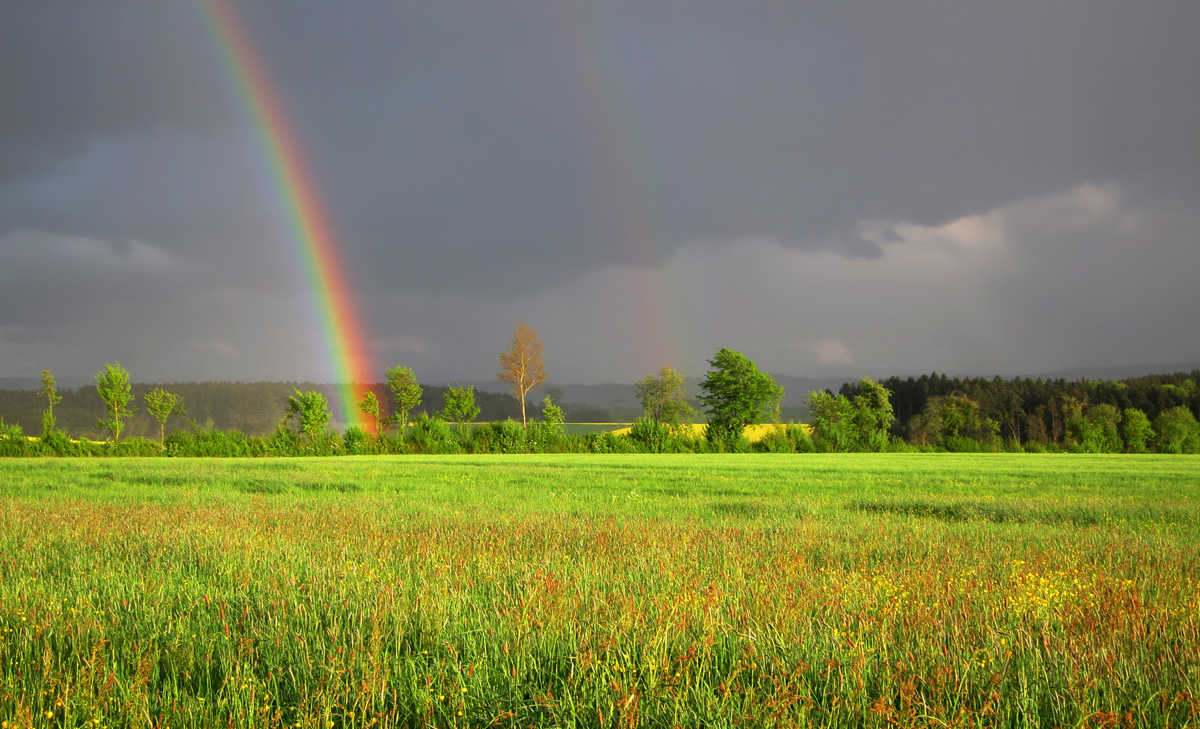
(754, 433)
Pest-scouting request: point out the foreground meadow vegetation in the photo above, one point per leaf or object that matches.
(888, 590)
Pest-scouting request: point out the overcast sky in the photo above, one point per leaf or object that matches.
(886, 187)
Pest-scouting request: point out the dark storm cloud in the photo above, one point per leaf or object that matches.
(488, 149)
(530, 138)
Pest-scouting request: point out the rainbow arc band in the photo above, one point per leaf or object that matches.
(309, 230)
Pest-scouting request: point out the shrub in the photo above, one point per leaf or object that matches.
(547, 436)
(505, 436)
(898, 445)
(13, 441)
(740, 444)
(357, 441)
(212, 443)
(790, 438)
(58, 443)
(282, 442)
(608, 442)
(651, 436)
(801, 440)
(959, 444)
(543, 437)
(432, 435)
(135, 446)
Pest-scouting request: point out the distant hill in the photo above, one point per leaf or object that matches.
(1118, 373)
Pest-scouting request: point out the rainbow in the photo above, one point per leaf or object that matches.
(308, 226)
(621, 186)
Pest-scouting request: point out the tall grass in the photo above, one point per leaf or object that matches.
(601, 591)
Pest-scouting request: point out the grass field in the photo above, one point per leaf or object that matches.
(890, 591)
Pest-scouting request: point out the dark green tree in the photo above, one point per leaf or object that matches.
(112, 385)
(162, 405)
(403, 384)
(460, 407)
(312, 409)
(662, 398)
(735, 394)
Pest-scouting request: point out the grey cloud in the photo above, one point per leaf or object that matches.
(52, 279)
(522, 141)
(488, 151)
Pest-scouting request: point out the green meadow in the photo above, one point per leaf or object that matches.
(933, 590)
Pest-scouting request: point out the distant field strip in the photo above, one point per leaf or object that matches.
(754, 433)
(715, 591)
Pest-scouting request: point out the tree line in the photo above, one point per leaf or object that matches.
(1137, 414)
(933, 412)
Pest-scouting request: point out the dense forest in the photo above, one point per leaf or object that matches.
(1028, 411)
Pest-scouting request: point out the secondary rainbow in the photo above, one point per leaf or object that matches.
(621, 182)
(308, 226)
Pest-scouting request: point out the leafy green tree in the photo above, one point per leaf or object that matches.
(162, 405)
(112, 384)
(958, 414)
(1177, 431)
(551, 413)
(369, 405)
(1102, 433)
(403, 384)
(312, 409)
(842, 424)
(833, 422)
(547, 435)
(460, 406)
(662, 398)
(1138, 433)
(50, 390)
(735, 395)
(872, 416)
